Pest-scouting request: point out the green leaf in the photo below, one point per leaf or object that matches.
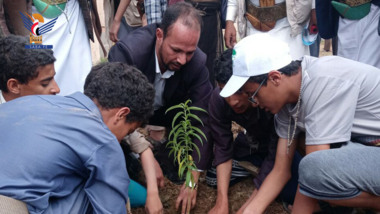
(191, 178)
(174, 130)
(174, 107)
(181, 135)
(180, 167)
(168, 145)
(199, 131)
(197, 149)
(171, 151)
(176, 116)
(179, 157)
(181, 142)
(197, 136)
(187, 102)
(196, 118)
(197, 109)
(193, 167)
(176, 135)
(178, 127)
(188, 177)
(180, 171)
(184, 124)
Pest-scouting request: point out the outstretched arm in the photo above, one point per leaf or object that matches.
(153, 203)
(223, 175)
(153, 175)
(276, 179)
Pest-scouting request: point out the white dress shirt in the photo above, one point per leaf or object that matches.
(159, 84)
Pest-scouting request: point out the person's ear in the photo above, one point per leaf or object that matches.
(159, 34)
(275, 77)
(13, 86)
(122, 113)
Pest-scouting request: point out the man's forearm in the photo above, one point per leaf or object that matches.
(276, 180)
(268, 191)
(223, 173)
(153, 202)
(121, 9)
(147, 161)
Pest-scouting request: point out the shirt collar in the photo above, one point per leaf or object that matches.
(2, 100)
(167, 74)
(86, 102)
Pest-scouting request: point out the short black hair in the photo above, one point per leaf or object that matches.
(181, 10)
(289, 70)
(116, 84)
(20, 63)
(223, 67)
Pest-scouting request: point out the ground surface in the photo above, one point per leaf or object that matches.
(206, 198)
(238, 194)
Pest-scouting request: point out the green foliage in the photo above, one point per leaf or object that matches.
(181, 139)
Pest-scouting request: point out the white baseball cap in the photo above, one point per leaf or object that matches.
(255, 55)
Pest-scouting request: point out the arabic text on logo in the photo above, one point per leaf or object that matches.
(37, 29)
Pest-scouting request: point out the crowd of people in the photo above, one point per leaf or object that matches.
(311, 126)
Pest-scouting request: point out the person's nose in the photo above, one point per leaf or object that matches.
(55, 89)
(181, 58)
(232, 102)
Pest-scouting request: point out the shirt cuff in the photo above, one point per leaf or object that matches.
(137, 142)
(231, 13)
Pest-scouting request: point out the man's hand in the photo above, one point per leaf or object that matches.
(183, 198)
(245, 205)
(230, 34)
(223, 175)
(313, 29)
(159, 174)
(114, 30)
(153, 204)
(221, 207)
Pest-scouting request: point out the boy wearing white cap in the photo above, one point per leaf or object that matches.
(333, 100)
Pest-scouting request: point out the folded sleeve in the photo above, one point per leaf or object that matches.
(137, 142)
(220, 127)
(107, 184)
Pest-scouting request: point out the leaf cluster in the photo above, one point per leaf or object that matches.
(181, 138)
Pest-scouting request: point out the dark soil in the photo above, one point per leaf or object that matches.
(206, 198)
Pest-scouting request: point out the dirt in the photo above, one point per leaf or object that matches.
(206, 198)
